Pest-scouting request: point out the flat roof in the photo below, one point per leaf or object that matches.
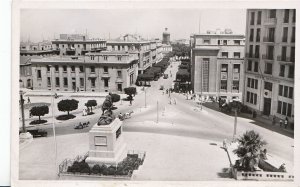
(109, 53)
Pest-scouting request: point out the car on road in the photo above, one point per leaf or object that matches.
(36, 132)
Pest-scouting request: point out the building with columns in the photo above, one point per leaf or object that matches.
(107, 71)
(217, 60)
(270, 62)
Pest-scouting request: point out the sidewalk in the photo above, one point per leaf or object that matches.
(259, 120)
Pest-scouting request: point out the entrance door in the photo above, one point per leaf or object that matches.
(120, 87)
(267, 106)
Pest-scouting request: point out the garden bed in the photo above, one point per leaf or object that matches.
(123, 170)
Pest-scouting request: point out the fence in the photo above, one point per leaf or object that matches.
(261, 175)
(63, 167)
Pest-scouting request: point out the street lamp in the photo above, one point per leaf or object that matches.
(145, 97)
(22, 110)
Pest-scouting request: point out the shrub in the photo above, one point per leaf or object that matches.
(130, 91)
(39, 111)
(96, 169)
(90, 104)
(115, 97)
(67, 105)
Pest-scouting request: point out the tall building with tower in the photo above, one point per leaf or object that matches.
(166, 37)
(270, 62)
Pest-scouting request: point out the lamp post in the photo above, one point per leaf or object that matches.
(145, 97)
(22, 110)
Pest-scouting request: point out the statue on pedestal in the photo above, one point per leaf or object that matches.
(107, 115)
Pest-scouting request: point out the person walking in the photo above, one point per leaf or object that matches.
(286, 122)
(28, 100)
(280, 122)
(274, 120)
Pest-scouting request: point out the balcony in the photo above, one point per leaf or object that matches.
(285, 59)
(270, 21)
(267, 57)
(269, 39)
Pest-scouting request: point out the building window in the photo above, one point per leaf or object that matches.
(291, 92)
(65, 68)
(291, 71)
(223, 84)
(251, 35)
(285, 91)
(272, 13)
(289, 110)
(237, 42)
(268, 68)
(252, 18)
(105, 82)
(255, 66)
(81, 68)
(119, 58)
(237, 55)
(283, 53)
(119, 73)
(284, 105)
(65, 82)
(280, 88)
(235, 85)
(93, 82)
(49, 81)
(73, 68)
(249, 65)
(81, 82)
(252, 83)
(105, 68)
(250, 50)
(292, 56)
(282, 70)
(57, 82)
(224, 68)
(236, 68)
(271, 34)
(56, 68)
(256, 51)
(294, 16)
(270, 52)
(257, 35)
(268, 86)
(92, 57)
(92, 69)
(39, 74)
(293, 35)
(224, 42)
(279, 106)
(251, 98)
(285, 34)
(248, 97)
(258, 17)
(105, 58)
(48, 68)
(248, 82)
(286, 16)
(224, 54)
(206, 41)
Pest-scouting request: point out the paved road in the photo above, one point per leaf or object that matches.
(187, 119)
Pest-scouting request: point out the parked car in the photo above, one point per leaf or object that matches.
(81, 125)
(37, 132)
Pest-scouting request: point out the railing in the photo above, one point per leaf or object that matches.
(63, 167)
(268, 39)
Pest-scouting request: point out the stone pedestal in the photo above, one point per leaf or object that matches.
(25, 136)
(107, 145)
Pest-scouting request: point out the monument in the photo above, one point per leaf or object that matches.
(106, 143)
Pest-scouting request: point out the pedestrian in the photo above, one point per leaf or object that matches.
(28, 100)
(77, 89)
(286, 122)
(274, 120)
(174, 101)
(30, 114)
(280, 122)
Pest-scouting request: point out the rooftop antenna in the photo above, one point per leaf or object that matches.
(199, 22)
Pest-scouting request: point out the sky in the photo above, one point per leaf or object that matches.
(38, 25)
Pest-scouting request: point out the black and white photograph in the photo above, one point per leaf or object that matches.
(156, 94)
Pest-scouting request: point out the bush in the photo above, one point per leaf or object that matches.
(39, 111)
(67, 105)
(115, 97)
(96, 169)
(90, 104)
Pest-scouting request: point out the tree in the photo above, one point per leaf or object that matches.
(67, 105)
(249, 150)
(130, 91)
(115, 98)
(39, 111)
(90, 104)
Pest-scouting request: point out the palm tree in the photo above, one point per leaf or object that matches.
(250, 150)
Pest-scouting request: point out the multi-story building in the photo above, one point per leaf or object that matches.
(148, 52)
(217, 64)
(166, 37)
(77, 45)
(101, 72)
(270, 61)
(43, 48)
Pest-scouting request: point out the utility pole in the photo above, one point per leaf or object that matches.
(145, 97)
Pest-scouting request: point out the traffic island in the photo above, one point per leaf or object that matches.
(249, 159)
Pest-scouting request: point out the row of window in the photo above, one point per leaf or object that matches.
(236, 68)
(252, 83)
(251, 98)
(81, 82)
(235, 85)
(105, 58)
(291, 71)
(81, 69)
(252, 66)
(272, 15)
(270, 35)
(235, 55)
(284, 108)
(286, 91)
(223, 42)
